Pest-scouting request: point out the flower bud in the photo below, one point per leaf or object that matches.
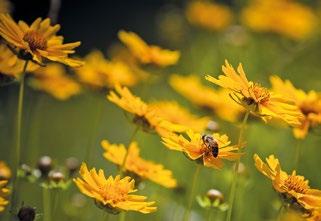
(45, 165)
(72, 164)
(214, 195)
(26, 213)
(56, 176)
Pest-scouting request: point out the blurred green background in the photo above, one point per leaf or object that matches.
(63, 129)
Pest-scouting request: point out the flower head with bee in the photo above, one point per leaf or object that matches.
(257, 99)
(211, 149)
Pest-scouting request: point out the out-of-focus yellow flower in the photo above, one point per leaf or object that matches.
(37, 42)
(208, 15)
(315, 216)
(255, 98)
(211, 150)
(54, 80)
(120, 53)
(11, 65)
(5, 6)
(3, 193)
(309, 104)
(216, 100)
(285, 17)
(292, 216)
(100, 72)
(135, 164)
(144, 115)
(113, 194)
(173, 112)
(294, 188)
(5, 172)
(148, 54)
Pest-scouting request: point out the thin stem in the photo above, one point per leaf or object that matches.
(18, 138)
(235, 176)
(210, 214)
(122, 216)
(121, 168)
(95, 132)
(297, 154)
(280, 212)
(191, 196)
(46, 201)
(105, 216)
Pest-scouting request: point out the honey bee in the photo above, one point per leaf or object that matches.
(211, 144)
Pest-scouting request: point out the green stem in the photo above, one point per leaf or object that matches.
(105, 216)
(46, 201)
(14, 197)
(191, 196)
(280, 212)
(122, 216)
(235, 176)
(210, 214)
(121, 168)
(297, 154)
(95, 131)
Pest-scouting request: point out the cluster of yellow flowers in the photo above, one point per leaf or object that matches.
(285, 17)
(33, 48)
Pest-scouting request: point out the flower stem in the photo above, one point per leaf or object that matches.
(16, 164)
(210, 214)
(122, 216)
(191, 196)
(297, 154)
(121, 168)
(46, 204)
(95, 132)
(280, 212)
(235, 176)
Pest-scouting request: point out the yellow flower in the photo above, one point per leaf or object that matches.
(100, 72)
(208, 15)
(5, 6)
(315, 216)
(255, 98)
(122, 54)
(11, 65)
(144, 115)
(309, 104)
(284, 17)
(37, 42)
(148, 54)
(3, 193)
(114, 194)
(216, 100)
(137, 165)
(5, 172)
(293, 188)
(174, 113)
(53, 79)
(211, 150)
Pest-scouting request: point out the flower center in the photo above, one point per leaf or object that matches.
(114, 193)
(35, 40)
(261, 94)
(296, 183)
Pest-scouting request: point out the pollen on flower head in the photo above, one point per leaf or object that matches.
(35, 40)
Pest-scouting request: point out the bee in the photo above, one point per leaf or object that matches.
(211, 144)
